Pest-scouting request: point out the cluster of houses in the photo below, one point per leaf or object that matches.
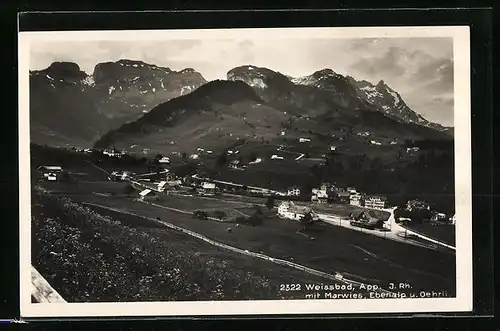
(50, 172)
(328, 192)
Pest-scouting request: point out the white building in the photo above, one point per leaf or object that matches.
(208, 188)
(453, 219)
(333, 148)
(164, 160)
(319, 195)
(293, 191)
(412, 149)
(194, 156)
(276, 157)
(373, 142)
(303, 140)
(257, 160)
(289, 210)
(356, 199)
(375, 202)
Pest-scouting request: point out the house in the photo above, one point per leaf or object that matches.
(293, 191)
(54, 169)
(394, 142)
(375, 202)
(207, 188)
(412, 149)
(417, 205)
(439, 217)
(236, 164)
(199, 149)
(356, 199)
(453, 219)
(289, 210)
(333, 148)
(164, 160)
(112, 152)
(342, 195)
(194, 156)
(368, 219)
(257, 160)
(209, 152)
(303, 140)
(146, 151)
(319, 195)
(283, 133)
(351, 190)
(373, 142)
(276, 157)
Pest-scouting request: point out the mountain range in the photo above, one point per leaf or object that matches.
(134, 103)
(69, 106)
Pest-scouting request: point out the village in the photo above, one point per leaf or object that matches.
(294, 203)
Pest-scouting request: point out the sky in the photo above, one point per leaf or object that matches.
(420, 69)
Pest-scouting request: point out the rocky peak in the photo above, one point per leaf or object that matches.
(63, 70)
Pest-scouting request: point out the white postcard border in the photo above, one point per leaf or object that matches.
(463, 184)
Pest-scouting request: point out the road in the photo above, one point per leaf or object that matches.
(391, 233)
(336, 277)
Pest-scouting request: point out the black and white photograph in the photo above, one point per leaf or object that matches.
(245, 171)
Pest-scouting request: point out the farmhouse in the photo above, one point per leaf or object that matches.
(356, 199)
(293, 191)
(319, 195)
(370, 218)
(374, 201)
(412, 149)
(289, 210)
(342, 195)
(50, 168)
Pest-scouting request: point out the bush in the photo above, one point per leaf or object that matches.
(219, 214)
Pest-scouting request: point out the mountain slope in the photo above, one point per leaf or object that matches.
(223, 113)
(61, 106)
(285, 94)
(390, 103)
(68, 106)
(366, 95)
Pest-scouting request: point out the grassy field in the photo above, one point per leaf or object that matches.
(442, 232)
(335, 249)
(88, 257)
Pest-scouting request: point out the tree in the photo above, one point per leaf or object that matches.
(184, 156)
(306, 221)
(270, 203)
(221, 160)
(255, 219)
(159, 156)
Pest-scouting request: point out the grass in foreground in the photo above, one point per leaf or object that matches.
(88, 257)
